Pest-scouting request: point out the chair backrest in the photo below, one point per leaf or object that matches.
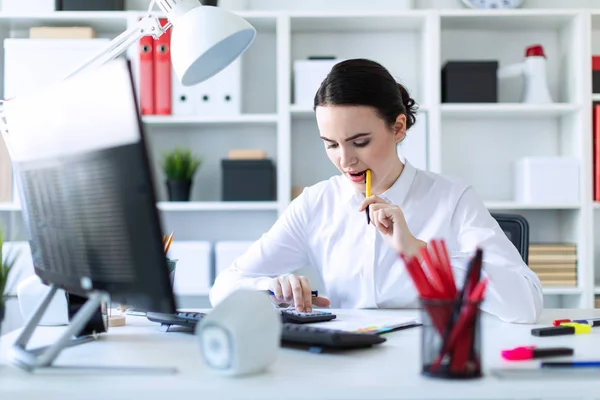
(516, 229)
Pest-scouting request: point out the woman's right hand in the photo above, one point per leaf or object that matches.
(293, 288)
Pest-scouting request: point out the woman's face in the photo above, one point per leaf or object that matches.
(357, 139)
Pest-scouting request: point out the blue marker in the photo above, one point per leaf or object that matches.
(590, 322)
(562, 364)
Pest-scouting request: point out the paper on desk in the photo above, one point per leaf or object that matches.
(352, 323)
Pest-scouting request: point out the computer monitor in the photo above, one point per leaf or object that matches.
(87, 196)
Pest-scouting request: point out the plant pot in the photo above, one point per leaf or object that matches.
(179, 190)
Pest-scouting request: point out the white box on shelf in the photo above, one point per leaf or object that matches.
(193, 270)
(546, 180)
(26, 7)
(308, 75)
(218, 95)
(227, 251)
(31, 63)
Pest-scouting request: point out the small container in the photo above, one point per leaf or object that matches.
(248, 180)
(552, 179)
(461, 360)
(308, 76)
(90, 5)
(470, 82)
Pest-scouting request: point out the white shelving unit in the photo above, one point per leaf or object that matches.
(217, 206)
(168, 120)
(476, 142)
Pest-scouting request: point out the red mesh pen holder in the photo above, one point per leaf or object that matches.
(450, 339)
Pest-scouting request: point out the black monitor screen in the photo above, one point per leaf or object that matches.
(86, 189)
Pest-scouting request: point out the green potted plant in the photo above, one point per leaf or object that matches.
(6, 263)
(179, 166)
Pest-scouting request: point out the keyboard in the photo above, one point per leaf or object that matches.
(314, 338)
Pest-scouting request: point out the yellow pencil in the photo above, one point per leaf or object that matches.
(368, 192)
(168, 244)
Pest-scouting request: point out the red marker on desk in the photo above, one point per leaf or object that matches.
(531, 352)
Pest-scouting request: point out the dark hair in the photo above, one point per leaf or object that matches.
(366, 83)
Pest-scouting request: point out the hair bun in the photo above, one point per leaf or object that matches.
(410, 105)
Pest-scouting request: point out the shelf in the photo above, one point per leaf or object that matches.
(193, 206)
(263, 21)
(301, 111)
(597, 290)
(595, 96)
(218, 206)
(357, 21)
(513, 110)
(507, 20)
(99, 20)
(561, 290)
(511, 205)
(597, 205)
(304, 112)
(9, 207)
(210, 120)
(115, 20)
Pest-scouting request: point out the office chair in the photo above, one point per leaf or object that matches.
(516, 229)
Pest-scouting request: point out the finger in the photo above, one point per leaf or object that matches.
(286, 288)
(381, 206)
(375, 207)
(306, 295)
(371, 200)
(378, 223)
(321, 301)
(297, 292)
(385, 217)
(275, 287)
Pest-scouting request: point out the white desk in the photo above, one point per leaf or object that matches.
(390, 370)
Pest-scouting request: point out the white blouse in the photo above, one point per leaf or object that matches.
(324, 229)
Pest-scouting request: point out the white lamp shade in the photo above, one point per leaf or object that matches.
(205, 40)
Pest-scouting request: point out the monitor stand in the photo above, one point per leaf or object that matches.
(42, 358)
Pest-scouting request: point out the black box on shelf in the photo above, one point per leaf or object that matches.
(90, 5)
(470, 82)
(248, 180)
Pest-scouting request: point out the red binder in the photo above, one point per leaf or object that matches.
(146, 51)
(162, 72)
(596, 152)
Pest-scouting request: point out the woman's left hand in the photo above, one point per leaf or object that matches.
(389, 220)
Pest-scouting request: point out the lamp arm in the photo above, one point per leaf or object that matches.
(147, 26)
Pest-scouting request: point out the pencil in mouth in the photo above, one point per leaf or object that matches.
(368, 183)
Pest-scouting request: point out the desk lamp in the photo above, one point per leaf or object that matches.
(204, 40)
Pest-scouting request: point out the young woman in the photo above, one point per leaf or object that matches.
(362, 114)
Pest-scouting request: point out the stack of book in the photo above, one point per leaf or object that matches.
(555, 264)
(597, 302)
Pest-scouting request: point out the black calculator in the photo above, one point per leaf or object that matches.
(290, 315)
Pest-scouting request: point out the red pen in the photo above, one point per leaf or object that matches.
(557, 322)
(531, 352)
